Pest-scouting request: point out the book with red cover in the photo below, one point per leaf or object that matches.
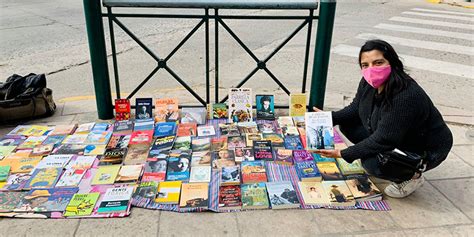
(253, 171)
(302, 132)
(122, 109)
(187, 129)
(230, 197)
(141, 137)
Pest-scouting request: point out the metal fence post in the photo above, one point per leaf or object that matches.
(321, 53)
(100, 71)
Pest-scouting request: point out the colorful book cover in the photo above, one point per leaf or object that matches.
(338, 193)
(81, 204)
(239, 154)
(265, 107)
(171, 112)
(116, 200)
(293, 143)
(144, 125)
(81, 162)
(363, 189)
(248, 154)
(84, 128)
(284, 156)
(230, 175)
(302, 132)
(302, 155)
(21, 165)
(54, 161)
(250, 137)
(187, 129)
(313, 193)
(155, 170)
(160, 145)
(235, 141)
(129, 173)
(168, 192)
(165, 129)
(218, 143)
(161, 112)
(267, 128)
(136, 155)
(70, 178)
(63, 130)
(44, 178)
(275, 138)
(329, 171)
(119, 141)
(46, 200)
(230, 197)
(218, 110)
(285, 121)
(10, 200)
(247, 127)
(253, 172)
(299, 121)
(194, 115)
(113, 156)
(254, 196)
(122, 109)
(178, 169)
(19, 130)
(143, 108)
(106, 175)
(54, 140)
(75, 139)
(100, 127)
(201, 144)
(201, 159)
(6, 150)
(229, 129)
(194, 195)
(4, 172)
(319, 130)
(37, 131)
(32, 142)
(146, 189)
(94, 150)
(98, 138)
(290, 131)
(297, 105)
(350, 168)
(204, 131)
(223, 158)
(123, 127)
(141, 137)
(16, 182)
(73, 149)
(263, 150)
(282, 195)
(182, 143)
(307, 171)
(12, 140)
(200, 174)
(240, 105)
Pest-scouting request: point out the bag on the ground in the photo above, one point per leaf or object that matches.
(401, 164)
(25, 97)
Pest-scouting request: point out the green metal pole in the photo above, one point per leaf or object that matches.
(100, 72)
(321, 53)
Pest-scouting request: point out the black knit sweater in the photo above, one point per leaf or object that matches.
(410, 123)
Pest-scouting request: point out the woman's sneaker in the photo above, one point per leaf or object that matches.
(404, 189)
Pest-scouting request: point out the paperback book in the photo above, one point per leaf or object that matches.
(182, 143)
(54, 140)
(194, 115)
(223, 158)
(164, 129)
(247, 127)
(106, 175)
(204, 131)
(46, 200)
(218, 143)
(254, 196)
(338, 193)
(123, 127)
(155, 170)
(297, 105)
(282, 195)
(284, 156)
(141, 137)
(218, 111)
(187, 129)
(293, 143)
(229, 129)
(200, 174)
(250, 137)
(235, 141)
(143, 108)
(168, 192)
(129, 173)
(44, 178)
(122, 109)
(265, 107)
(302, 155)
(194, 195)
(263, 150)
(10, 200)
(84, 128)
(116, 200)
(313, 193)
(319, 130)
(70, 178)
(201, 159)
(329, 171)
(119, 141)
(98, 138)
(114, 156)
(201, 144)
(363, 189)
(307, 171)
(146, 189)
(136, 155)
(240, 105)
(160, 145)
(178, 169)
(63, 130)
(253, 172)
(166, 110)
(81, 204)
(230, 197)
(230, 175)
(94, 150)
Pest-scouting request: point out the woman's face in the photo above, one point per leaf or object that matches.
(373, 58)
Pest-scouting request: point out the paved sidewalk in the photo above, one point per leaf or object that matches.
(442, 207)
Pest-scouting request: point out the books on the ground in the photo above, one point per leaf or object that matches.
(122, 109)
(285, 121)
(143, 108)
(293, 143)
(129, 173)
(363, 189)
(46, 200)
(338, 193)
(63, 130)
(161, 144)
(54, 161)
(201, 144)
(105, 175)
(4, 172)
(302, 132)
(37, 130)
(218, 143)
(100, 127)
(275, 138)
(313, 193)
(297, 105)
(239, 155)
(146, 189)
(282, 195)
(81, 204)
(254, 196)
(204, 131)
(182, 143)
(230, 175)
(141, 137)
(94, 150)
(302, 155)
(119, 141)
(10, 200)
(200, 174)
(81, 162)
(319, 159)
(248, 154)
(240, 105)
(284, 156)
(16, 182)
(6, 150)
(54, 140)
(155, 170)
(250, 137)
(247, 127)
(290, 131)
(116, 200)
(98, 138)
(201, 158)
(136, 155)
(21, 165)
(194, 115)
(253, 172)
(307, 171)
(319, 130)
(168, 192)
(114, 156)
(235, 141)
(84, 128)
(267, 128)
(229, 129)
(350, 168)
(187, 129)
(70, 178)
(12, 140)
(74, 139)
(222, 158)
(165, 129)
(230, 197)
(194, 195)
(42, 150)
(263, 150)
(217, 111)
(123, 127)
(265, 107)
(178, 169)
(31, 142)
(74, 149)
(44, 178)
(299, 121)
(144, 125)
(329, 171)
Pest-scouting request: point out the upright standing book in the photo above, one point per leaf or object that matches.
(122, 109)
(265, 107)
(240, 105)
(194, 115)
(143, 108)
(297, 105)
(319, 130)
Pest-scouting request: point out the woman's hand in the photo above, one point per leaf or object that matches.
(336, 153)
(315, 109)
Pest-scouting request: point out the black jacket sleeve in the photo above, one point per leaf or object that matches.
(350, 112)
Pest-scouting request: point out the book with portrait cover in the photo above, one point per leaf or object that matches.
(267, 128)
(254, 196)
(123, 127)
(284, 156)
(200, 174)
(265, 107)
(178, 169)
(229, 129)
(122, 109)
(297, 105)
(230, 197)
(282, 195)
(194, 115)
(155, 170)
(143, 108)
(119, 141)
(44, 178)
(230, 175)
(114, 156)
(329, 171)
(319, 130)
(165, 129)
(363, 189)
(253, 172)
(240, 105)
(201, 159)
(194, 195)
(313, 193)
(81, 204)
(338, 193)
(235, 141)
(263, 150)
(116, 200)
(168, 192)
(293, 143)
(223, 158)
(308, 171)
(187, 129)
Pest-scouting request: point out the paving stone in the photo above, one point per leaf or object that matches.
(449, 231)
(453, 188)
(452, 167)
(466, 153)
(37, 227)
(462, 135)
(198, 224)
(142, 222)
(277, 223)
(391, 233)
(426, 207)
(80, 106)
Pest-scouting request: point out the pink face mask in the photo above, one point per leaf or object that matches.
(376, 76)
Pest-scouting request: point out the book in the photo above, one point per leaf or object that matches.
(81, 204)
(31, 142)
(302, 155)
(200, 174)
(282, 195)
(122, 109)
(113, 156)
(313, 193)
(164, 129)
(70, 178)
(350, 168)
(263, 150)
(222, 158)
(129, 173)
(141, 137)
(4, 172)
(18, 130)
(239, 155)
(254, 196)
(160, 145)
(146, 189)
(75, 139)
(235, 141)
(363, 189)
(247, 127)
(37, 131)
(136, 155)
(81, 162)
(275, 138)
(10, 200)
(44, 178)
(299, 121)
(240, 105)
(230, 197)
(265, 107)
(116, 200)
(6, 150)
(168, 192)
(293, 143)
(250, 137)
(123, 127)
(46, 200)
(178, 169)
(118, 141)
(229, 129)
(54, 161)
(94, 150)
(166, 109)
(194, 195)
(98, 138)
(285, 121)
(63, 130)
(182, 143)
(201, 159)
(217, 111)
(72, 149)
(54, 140)
(290, 131)
(297, 105)
(284, 156)
(187, 129)
(105, 175)
(218, 143)
(13, 141)
(230, 175)
(144, 125)
(302, 132)
(267, 128)
(319, 130)
(201, 144)
(194, 115)
(155, 170)
(143, 108)
(338, 193)
(329, 171)
(21, 165)
(253, 172)
(204, 131)
(84, 128)
(100, 127)
(248, 154)
(16, 182)
(308, 171)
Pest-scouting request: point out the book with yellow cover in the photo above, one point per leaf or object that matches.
(21, 165)
(106, 174)
(338, 193)
(297, 105)
(168, 192)
(44, 178)
(350, 168)
(36, 130)
(313, 193)
(129, 173)
(194, 195)
(329, 171)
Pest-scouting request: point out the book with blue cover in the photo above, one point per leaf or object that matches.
(144, 124)
(160, 145)
(308, 171)
(47, 200)
(293, 143)
(178, 169)
(318, 158)
(165, 129)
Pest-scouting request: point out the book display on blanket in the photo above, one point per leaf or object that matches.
(228, 162)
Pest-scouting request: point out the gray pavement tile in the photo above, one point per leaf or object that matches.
(390, 233)
(462, 135)
(87, 118)
(277, 223)
(452, 167)
(142, 222)
(37, 227)
(466, 153)
(348, 221)
(448, 231)
(460, 192)
(79, 106)
(426, 207)
(198, 224)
